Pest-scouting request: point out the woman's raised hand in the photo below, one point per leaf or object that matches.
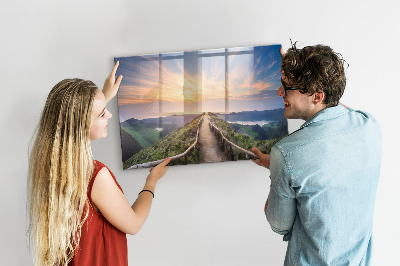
(111, 86)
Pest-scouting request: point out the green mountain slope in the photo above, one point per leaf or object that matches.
(129, 145)
(173, 144)
(242, 140)
(144, 135)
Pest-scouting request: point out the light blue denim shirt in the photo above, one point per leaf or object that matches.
(323, 183)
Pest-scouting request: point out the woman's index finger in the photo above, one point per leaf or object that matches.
(114, 71)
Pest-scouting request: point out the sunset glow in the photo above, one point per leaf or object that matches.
(155, 85)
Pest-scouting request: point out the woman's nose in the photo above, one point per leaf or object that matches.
(109, 114)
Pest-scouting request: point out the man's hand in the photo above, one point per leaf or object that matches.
(264, 159)
(266, 206)
(111, 86)
(345, 106)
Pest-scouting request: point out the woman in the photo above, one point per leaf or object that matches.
(78, 212)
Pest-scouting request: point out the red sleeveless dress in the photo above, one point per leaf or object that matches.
(101, 243)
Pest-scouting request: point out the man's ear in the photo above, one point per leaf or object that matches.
(318, 97)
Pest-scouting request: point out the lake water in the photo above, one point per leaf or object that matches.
(250, 123)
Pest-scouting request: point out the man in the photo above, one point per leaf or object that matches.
(323, 176)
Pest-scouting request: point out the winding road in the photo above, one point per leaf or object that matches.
(210, 151)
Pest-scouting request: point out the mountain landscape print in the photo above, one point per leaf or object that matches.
(200, 106)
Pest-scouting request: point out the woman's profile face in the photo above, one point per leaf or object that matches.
(100, 116)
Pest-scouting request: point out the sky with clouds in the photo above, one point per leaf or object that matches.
(148, 90)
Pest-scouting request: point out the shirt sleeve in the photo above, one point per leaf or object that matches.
(281, 210)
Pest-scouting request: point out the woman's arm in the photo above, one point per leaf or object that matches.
(114, 206)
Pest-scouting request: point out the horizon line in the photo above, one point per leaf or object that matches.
(163, 115)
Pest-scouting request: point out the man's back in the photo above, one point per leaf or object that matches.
(328, 172)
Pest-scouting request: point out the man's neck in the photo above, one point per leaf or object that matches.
(318, 108)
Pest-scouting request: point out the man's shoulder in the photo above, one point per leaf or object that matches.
(326, 130)
(361, 121)
(367, 117)
(293, 141)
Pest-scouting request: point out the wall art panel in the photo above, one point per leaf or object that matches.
(200, 106)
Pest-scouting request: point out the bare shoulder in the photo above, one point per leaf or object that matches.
(104, 173)
(103, 184)
(111, 202)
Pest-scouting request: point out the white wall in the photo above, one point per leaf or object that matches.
(203, 214)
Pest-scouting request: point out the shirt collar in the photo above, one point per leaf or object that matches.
(325, 114)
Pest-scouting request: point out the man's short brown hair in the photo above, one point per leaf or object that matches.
(316, 69)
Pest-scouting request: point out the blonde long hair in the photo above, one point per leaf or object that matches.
(60, 168)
